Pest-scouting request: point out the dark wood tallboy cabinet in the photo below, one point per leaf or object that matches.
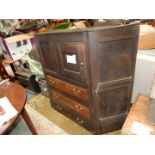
(90, 73)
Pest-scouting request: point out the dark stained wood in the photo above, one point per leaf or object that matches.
(76, 91)
(50, 56)
(77, 71)
(73, 115)
(3, 72)
(17, 97)
(57, 97)
(105, 79)
(28, 122)
(119, 33)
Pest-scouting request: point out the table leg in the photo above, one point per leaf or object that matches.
(29, 122)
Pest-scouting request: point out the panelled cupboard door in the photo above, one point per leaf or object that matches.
(49, 57)
(73, 60)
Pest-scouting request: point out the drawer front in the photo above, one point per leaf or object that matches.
(76, 91)
(79, 119)
(70, 103)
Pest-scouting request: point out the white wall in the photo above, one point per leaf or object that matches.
(144, 72)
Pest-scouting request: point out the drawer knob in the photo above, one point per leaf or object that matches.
(76, 91)
(82, 64)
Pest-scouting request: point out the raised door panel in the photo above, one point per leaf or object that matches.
(114, 98)
(117, 58)
(73, 61)
(49, 57)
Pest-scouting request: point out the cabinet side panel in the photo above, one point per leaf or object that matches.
(117, 59)
(112, 71)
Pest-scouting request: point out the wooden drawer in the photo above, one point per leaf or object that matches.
(70, 103)
(73, 115)
(76, 91)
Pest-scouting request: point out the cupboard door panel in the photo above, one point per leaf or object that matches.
(49, 56)
(73, 60)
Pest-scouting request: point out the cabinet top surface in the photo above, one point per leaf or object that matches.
(86, 29)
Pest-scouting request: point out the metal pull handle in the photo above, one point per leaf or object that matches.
(55, 95)
(76, 91)
(58, 107)
(52, 81)
(80, 108)
(79, 120)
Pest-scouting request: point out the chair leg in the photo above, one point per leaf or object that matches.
(29, 122)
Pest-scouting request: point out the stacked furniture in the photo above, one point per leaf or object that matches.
(90, 73)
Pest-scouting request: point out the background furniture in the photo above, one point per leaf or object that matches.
(90, 73)
(17, 46)
(3, 72)
(27, 79)
(138, 114)
(17, 97)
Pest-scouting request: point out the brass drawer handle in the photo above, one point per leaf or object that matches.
(76, 91)
(58, 107)
(55, 96)
(80, 108)
(79, 120)
(52, 81)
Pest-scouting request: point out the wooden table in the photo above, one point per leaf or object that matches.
(17, 97)
(138, 114)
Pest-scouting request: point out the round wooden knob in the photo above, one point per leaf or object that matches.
(82, 64)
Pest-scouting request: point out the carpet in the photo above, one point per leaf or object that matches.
(41, 104)
(42, 125)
